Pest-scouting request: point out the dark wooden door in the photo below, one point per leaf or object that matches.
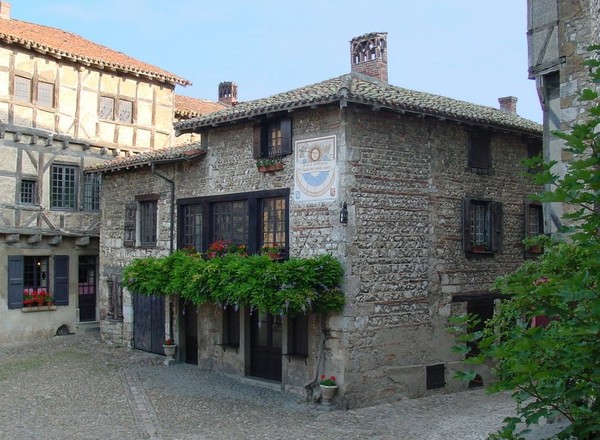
(149, 323)
(190, 323)
(87, 288)
(265, 345)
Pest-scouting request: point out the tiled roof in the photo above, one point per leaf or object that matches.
(188, 107)
(65, 45)
(361, 89)
(163, 155)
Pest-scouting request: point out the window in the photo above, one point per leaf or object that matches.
(91, 191)
(148, 211)
(130, 219)
(115, 109)
(33, 272)
(298, 336)
(192, 227)
(480, 154)
(272, 139)
(231, 326)
(63, 187)
(45, 94)
(22, 89)
(230, 221)
(482, 226)
(125, 111)
(107, 108)
(534, 219)
(28, 192)
(534, 224)
(252, 219)
(435, 376)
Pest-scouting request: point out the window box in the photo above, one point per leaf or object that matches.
(269, 165)
(47, 308)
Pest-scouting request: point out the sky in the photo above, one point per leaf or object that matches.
(471, 50)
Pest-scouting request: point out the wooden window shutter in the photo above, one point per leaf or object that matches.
(526, 217)
(467, 206)
(480, 151)
(130, 218)
(61, 280)
(286, 136)
(496, 208)
(15, 282)
(257, 141)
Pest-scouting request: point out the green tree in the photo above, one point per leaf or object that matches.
(554, 369)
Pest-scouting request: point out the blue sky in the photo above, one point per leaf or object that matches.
(464, 49)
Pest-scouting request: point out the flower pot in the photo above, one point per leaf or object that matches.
(170, 351)
(327, 393)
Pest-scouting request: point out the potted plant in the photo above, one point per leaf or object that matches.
(170, 348)
(269, 165)
(273, 250)
(328, 388)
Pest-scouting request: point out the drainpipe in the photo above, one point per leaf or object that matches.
(171, 237)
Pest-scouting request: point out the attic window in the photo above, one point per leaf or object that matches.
(22, 89)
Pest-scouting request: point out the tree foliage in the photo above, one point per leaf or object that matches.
(553, 369)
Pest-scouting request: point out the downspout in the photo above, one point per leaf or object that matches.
(171, 237)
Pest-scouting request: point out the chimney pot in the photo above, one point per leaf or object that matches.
(5, 10)
(508, 104)
(368, 55)
(228, 93)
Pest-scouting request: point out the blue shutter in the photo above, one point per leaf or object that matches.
(61, 280)
(15, 282)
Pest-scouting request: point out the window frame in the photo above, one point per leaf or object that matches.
(530, 205)
(33, 192)
(117, 110)
(92, 185)
(18, 89)
(59, 198)
(263, 146)
(493, 242)
(254, 228)
(147, 233)
(50, 94)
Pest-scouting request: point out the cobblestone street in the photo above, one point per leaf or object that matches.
(76, 387)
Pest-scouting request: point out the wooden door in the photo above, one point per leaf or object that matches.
(190, 324)
(87, 288)
(265, 345)
(149, 323)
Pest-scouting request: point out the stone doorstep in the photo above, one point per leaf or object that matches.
(255, 381)
(88, 327)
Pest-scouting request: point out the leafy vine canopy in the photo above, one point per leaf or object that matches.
(291, 287)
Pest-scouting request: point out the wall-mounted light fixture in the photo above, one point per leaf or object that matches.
(344, 213)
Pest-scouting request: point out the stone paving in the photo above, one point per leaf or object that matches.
(76, 387)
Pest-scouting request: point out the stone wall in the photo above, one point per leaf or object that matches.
(404, 179)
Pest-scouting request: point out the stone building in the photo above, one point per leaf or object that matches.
(559, 34)
(65, 103)
(421, 197)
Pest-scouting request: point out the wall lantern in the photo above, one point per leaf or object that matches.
(344, 213)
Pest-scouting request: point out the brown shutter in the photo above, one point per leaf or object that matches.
(286, 136)
(526, 217)
(130, 217)
(496, 226)
(257, 141)
(467, 224)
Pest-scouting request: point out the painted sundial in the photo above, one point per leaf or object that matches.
(316, 177)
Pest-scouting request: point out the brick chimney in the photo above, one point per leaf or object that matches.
(5, 10)
(228, 93)
(508, 104)
(368, 55)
